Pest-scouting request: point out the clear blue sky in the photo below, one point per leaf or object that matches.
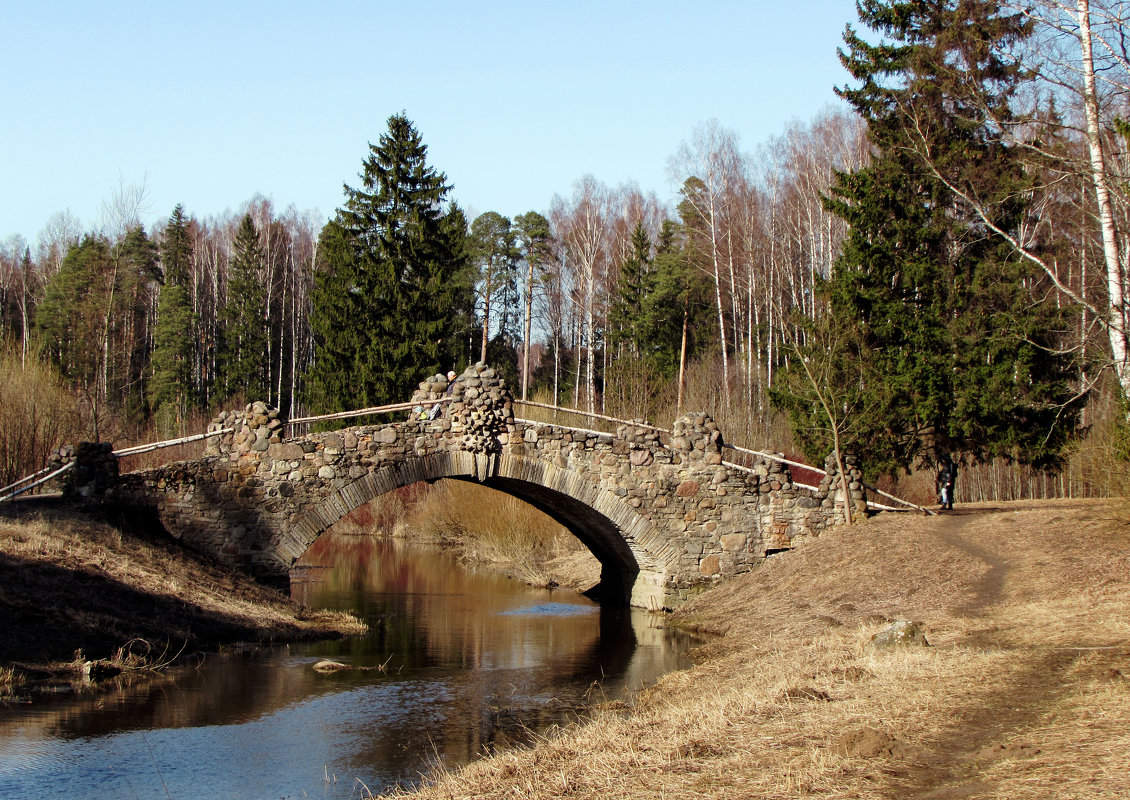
(211, 102)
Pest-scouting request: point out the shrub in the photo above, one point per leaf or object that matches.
(37, 413)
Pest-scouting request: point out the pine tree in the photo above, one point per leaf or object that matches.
(242, 367)
(393, 298)
(953, 342)
(532, 238)
(126, 329)
(70, 317)
(493, 248)
(675, 322)
(170, 381)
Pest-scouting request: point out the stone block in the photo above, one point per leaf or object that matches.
(687, 488)
(733, 542)
(641, 458)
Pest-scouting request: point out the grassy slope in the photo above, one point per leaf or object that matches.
(69, 583)
(1025, 692)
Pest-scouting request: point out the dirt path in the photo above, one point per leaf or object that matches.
(953, 530)
(992, 732)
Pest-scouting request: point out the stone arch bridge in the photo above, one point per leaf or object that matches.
(664, 519)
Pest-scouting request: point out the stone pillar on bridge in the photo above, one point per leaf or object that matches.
(253, 429)
(95, 469)
(480, 412)
(697, 438)
(832, 489)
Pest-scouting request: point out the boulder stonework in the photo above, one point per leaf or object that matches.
(95, 469)
(665, 521)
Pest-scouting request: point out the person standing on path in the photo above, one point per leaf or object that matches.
(946, 480)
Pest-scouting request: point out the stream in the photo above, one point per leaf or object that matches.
(457, 664)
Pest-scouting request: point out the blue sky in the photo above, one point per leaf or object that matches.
(209, 103)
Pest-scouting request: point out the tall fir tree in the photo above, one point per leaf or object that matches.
(636, 281)
(176, 248)
(242, 367)
(393, 299)
(953, 348)
(171, 385)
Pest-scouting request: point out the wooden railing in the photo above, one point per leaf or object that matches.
(32, 481)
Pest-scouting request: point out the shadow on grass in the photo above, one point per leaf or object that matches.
(141, 586)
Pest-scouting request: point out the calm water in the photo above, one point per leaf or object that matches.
(458, 665)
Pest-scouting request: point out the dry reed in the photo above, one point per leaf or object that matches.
(67, 583)
(493, 528)
(36, 414)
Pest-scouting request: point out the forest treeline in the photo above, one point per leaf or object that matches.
(937, 266)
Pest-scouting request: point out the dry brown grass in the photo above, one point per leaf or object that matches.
(69, 583)
(1023, 693)
(495, 529)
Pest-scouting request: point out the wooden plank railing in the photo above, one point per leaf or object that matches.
(13, 491)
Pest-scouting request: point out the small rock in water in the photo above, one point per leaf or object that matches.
(325, 665)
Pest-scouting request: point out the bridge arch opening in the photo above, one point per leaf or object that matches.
(608, 527)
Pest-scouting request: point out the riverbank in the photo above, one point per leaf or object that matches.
(76, 592)
(1024, 691)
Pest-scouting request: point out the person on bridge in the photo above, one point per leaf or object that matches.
(437, 409)
(947, 478)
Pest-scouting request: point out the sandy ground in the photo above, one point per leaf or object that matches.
(1024, 691)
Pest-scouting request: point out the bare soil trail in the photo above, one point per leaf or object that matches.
(992, 731)
(954, 530)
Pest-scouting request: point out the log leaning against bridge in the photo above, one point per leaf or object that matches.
(665, 520)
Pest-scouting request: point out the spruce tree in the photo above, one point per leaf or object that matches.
(176, 249)
(242, 369)
(634, 284)
(171, 386)
(393, 300)
(952, 344)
